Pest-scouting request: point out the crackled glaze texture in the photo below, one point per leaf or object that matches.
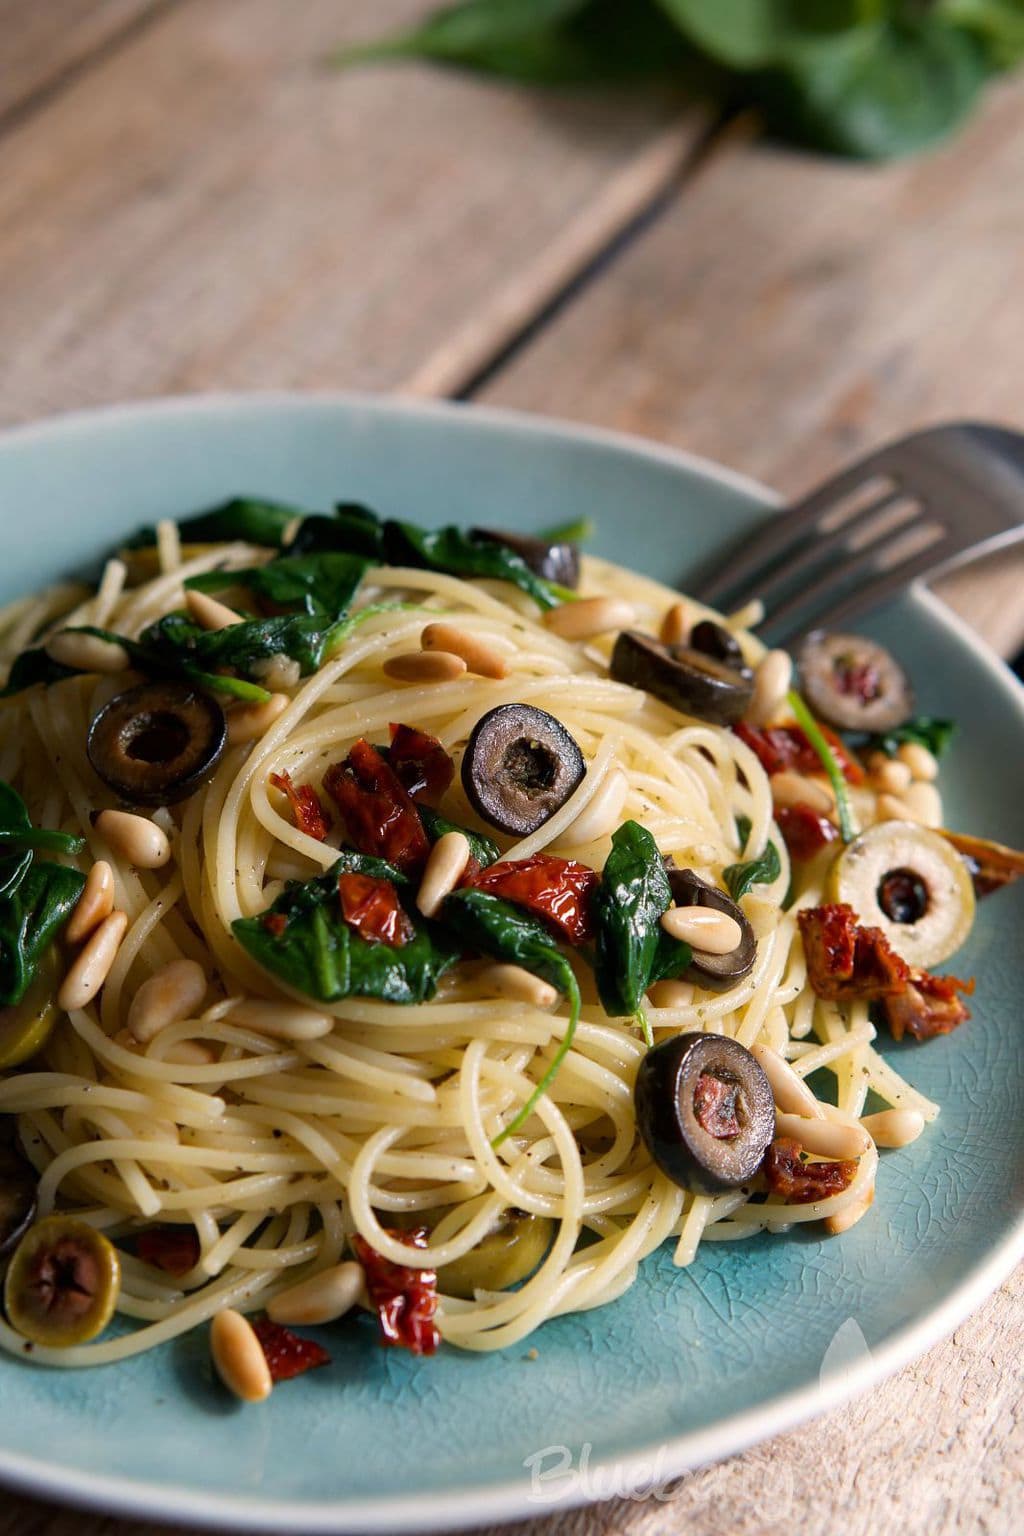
(386, 1441)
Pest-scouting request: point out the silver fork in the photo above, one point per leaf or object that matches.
(918, 506)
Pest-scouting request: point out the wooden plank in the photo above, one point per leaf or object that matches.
(215, 208)
(42, 42)
(789, 312)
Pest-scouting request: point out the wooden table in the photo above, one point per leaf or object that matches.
(190, 200)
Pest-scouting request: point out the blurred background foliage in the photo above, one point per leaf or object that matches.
(867, 78)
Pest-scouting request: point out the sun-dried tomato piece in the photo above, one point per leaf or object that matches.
(421, 763)
(380, 817)
(846, 961)
(175, 1250)
(275, 923)
(929, 1006)
(372, 908)
(779, 747)
(801, 1183)
(714, 1104)
(307, 812)
(805, 832)
(286, 1353)
(559, 890)
(405, 1299)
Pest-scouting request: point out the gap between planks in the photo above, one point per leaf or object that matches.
(629, 203)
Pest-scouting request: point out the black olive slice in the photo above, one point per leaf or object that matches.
(17, 1195)
(705, 1110)
(157, 743)
(853, 683)
(553, 562)
(696, 684)
(717, 973)
(715, 640)
(519, 767)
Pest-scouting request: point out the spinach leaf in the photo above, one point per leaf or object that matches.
(632, 949)
(764, 870)
(435, 825)
(17, 832)
(317, 953)
(175, 643)
(504, 932)
(314, 584)
(353, 528)
(248, 518)
(997, 24)
(162, 656)
(460, 553)
(13, 869)
(31, 915)
(31, 667)
(924, 730)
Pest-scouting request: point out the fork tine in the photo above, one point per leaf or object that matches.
(819, 599)
(738, 578)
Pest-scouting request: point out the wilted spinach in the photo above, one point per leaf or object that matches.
(316, 952)
(247, 518)
(764, 870)
(632, 949)
(508, 934)
(36, 895)
(868, 78)
(924, 730)
(480, 847)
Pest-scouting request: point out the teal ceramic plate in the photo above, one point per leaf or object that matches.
(688, 1366)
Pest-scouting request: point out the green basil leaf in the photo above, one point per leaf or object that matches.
(319, 955)
(632, 949)
(925, 730)
(30, 918)
(764, 870)
(480, 847)
(250, 519)
(760, 34)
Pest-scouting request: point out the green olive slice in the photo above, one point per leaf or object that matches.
(25, 1027)
(509, 1253)
(62, 1284)
(908, 881)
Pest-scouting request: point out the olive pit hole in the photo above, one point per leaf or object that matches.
(531, 765)
(158, 738)
(903, 896)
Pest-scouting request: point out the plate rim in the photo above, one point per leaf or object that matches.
(510, 1499)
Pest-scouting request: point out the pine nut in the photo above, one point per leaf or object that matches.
(281, 1021)
(444, 869)
(772, 681)
(519, 985)
(893, 776)
(671, 994)
(135, 838)
(889, 808)
(922, 763)
(789, 1090)
(825, 1138)
(676, 625)
(894, 1127)
(208, 612)
(747, 617)
(789, 788)
(589, 616)
(238, 1357)
(95, 903)
(248, 722)
(425, 667)
(174, 992)
(843, 1220)
(190, 1053)
(704, 928)
(91, 965)
(277, 672)
(323, 1298)
(86, 653)
(476, 653)
(602, 814)
(924, 804)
